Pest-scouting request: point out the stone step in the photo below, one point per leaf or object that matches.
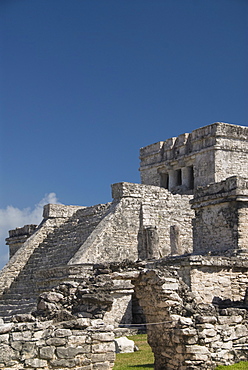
(55, 251)
(14, 310)
(17, 301)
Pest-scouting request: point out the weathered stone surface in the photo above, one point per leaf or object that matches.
(124, 345)
(47, 353)
(215, 152)
(37, 354)
(5, 328)
(61, 333)
(56, 341)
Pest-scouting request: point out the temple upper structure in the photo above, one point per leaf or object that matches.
(208, 154)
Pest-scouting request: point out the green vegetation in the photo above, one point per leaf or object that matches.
(240, 366)
(142, 359)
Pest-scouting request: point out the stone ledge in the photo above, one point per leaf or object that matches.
(233, 188)
(128, 189)
(59, 210)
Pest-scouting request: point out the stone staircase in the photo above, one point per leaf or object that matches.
(55, 251)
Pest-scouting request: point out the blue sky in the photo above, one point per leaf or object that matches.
(85, 83)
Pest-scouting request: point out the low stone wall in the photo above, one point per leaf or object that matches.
(81, 344)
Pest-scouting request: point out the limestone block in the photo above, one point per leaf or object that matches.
(4, 338)
(103, 337)
(47, 353)
(17, 346)
(241, 331)
(7, 353)
(185, 321)
(63, 363)
(197, 349)
(230, 320)
(38, 334)
(98, 357)
(22, 336)
(209, 332)
(6, 328)
(35, 363)
(56, 342)
(66, 352)
(102, 366)
(186, 331)
(124, 345)
(103, 347)
(29, 350)
(77, 339)
(61, 333)
(206, 319)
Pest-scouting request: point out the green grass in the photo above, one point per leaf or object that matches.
(141, 360)
(240, 366)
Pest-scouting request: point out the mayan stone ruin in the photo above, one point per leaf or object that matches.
(169, 254)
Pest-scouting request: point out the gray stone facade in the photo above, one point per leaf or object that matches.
(171, 251)
(208, 154)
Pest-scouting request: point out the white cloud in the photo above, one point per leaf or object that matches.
(12, 217)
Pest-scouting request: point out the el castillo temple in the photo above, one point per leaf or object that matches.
(168, 255)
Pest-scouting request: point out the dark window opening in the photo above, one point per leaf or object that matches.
(178, 177)
(191, 177)
(164, 180)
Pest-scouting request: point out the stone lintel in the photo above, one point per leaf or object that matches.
(233, 188)
(59, 210)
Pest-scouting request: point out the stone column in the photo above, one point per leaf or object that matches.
(172, 179)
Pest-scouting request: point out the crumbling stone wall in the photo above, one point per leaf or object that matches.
(185, 335)
(81, 344)
(67, 329)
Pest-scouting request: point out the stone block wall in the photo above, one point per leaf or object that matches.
(221, 216)
(81, 344)
(213, 279)
(208, 154)
(185, 335)
(136, 208)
